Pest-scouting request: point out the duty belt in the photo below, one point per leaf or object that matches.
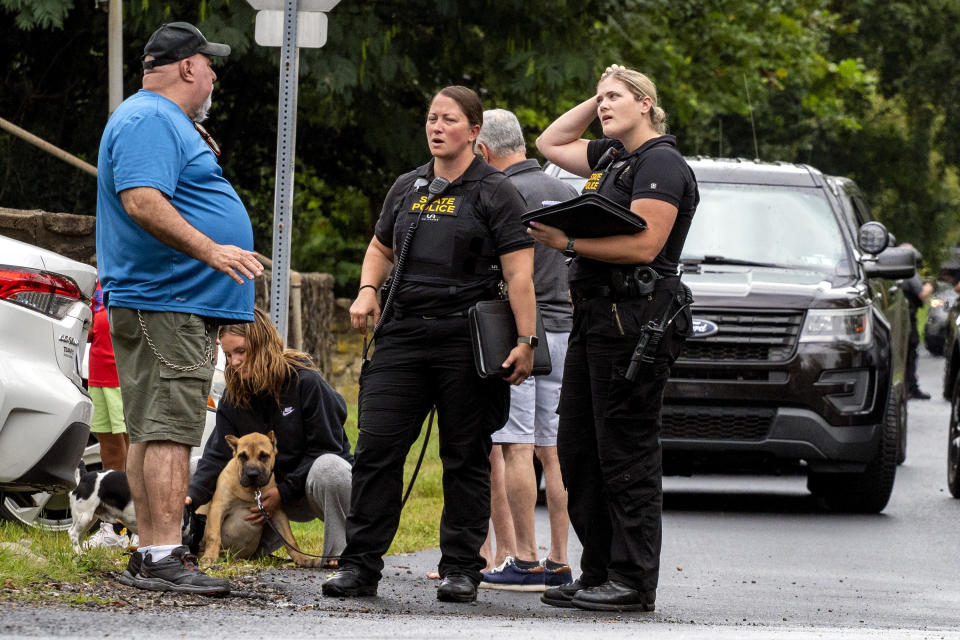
(454, 314)
(579, 294)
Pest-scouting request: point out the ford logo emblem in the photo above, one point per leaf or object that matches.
(704, 328)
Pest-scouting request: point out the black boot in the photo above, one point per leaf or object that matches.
(611, 596)
(346, 582)
(562, 596)
(457, 588)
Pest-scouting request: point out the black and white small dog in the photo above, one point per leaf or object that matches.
(100, 495)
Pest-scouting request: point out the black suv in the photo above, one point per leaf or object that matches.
(951, 391)
(800, 335)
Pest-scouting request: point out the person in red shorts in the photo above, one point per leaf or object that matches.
(107, 425)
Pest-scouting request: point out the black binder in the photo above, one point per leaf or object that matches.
(589, 215)
(493, 332)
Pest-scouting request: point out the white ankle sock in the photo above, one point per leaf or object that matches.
(160, 551)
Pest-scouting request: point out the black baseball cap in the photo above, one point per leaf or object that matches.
(178, 40)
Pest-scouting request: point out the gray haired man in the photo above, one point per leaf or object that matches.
(532, 426)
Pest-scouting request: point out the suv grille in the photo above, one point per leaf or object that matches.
(766, 336)
(705, 423)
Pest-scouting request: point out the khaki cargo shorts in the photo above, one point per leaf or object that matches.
(160, 401)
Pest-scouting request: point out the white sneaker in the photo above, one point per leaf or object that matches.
(106, 537)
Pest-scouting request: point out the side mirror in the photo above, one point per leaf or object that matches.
(895, 263)
(873, 238)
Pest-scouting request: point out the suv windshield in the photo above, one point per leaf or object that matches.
(750, 224)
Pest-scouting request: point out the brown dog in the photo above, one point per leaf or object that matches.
(250, 469)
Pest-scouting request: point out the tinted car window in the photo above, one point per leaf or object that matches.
(787, 226)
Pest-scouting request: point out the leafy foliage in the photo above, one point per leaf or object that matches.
(854, 88)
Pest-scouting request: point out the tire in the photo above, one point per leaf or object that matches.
(902, 417)
(41, 510)
(867, 491)
(953, 442)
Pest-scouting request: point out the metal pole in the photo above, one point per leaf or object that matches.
(286, 144)
(115, 55)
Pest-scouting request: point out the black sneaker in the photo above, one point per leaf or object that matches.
(129, 575)
(178, 572)
(916, 394)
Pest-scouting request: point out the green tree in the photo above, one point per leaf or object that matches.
(821, 82)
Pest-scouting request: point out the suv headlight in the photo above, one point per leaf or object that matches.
(854, 326)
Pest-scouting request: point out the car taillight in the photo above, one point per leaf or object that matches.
(42, 291)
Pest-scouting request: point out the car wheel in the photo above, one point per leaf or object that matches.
(42, 510)
(953, 442)
(934, 346)
(867, 491)
(902, 427)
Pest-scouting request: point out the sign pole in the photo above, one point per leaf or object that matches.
(283, 195)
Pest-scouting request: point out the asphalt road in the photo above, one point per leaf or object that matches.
(743, 557)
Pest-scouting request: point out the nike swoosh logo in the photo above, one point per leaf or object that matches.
(287, 411)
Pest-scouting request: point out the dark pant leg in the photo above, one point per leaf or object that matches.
(469, 410)
(913, 343)
(394, 400)
(628, 434)
(621, 509)
(579, 459)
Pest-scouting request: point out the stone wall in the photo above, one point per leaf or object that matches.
(68, 234)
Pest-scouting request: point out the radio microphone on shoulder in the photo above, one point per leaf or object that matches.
(436, 188)
(605, 159)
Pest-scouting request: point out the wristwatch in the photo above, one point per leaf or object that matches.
(569, 251)
(533, 341)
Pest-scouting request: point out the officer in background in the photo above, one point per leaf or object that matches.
(916, 291)
(468, 238)
(532, 426)
(629, 309)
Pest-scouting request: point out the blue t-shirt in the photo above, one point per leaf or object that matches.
(150, 142)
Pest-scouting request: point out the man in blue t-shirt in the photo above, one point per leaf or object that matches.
(175, 252)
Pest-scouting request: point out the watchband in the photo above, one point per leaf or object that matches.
(533, 341)
(570, 252)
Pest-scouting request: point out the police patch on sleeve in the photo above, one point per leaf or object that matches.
(446, 206)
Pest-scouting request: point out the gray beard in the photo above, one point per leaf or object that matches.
(204, 109)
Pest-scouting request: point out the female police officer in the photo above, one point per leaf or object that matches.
(608, 439)
(467, 239)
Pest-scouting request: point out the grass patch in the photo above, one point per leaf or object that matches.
(23, 576)
(19, 565)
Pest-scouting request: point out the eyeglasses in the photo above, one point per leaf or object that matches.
(208, 139)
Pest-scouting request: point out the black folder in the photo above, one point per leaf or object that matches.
(493, 332)
(589, 215)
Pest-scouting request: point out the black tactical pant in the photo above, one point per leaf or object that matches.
(913, 343)
(609, 437)
(418, 363)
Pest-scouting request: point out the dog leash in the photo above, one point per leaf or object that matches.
(403, 503)
(286, 543)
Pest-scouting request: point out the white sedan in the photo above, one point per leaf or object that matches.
(44, 410)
